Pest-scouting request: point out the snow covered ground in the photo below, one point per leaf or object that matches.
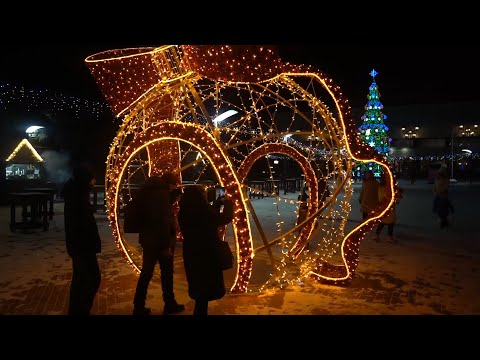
(429, 271)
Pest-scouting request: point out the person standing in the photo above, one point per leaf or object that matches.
(157, 237)
(442, 205)
(368, 195)
(302, 207)
(323, 189)
(199, 223)
(390, 217)
(82, 239)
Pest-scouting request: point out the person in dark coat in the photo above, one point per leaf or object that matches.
(199, 223)
(82, 240)
(442, 205)
(157, 238)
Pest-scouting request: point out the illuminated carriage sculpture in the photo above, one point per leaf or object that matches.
(168, 98)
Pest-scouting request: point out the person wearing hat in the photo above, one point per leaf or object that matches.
(157, 237)
(82, 240)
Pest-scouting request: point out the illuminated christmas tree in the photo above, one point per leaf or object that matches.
(373, 130)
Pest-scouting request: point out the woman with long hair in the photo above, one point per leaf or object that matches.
(199, 223)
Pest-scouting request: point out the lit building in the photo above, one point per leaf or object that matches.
(423, 134)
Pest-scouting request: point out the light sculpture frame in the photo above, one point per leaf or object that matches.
(164, 96)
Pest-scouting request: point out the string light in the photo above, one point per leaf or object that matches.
(167, 97)
(20, 146)
(31, 100)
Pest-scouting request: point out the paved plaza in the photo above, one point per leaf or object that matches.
(428, 272)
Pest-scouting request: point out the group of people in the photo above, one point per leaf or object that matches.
(197, 219)
(373, 192)
(371, 195)
(199, 222)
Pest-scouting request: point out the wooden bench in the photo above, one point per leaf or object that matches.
(50, 192)
(34, 210)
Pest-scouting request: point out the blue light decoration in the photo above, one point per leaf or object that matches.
(373, 131)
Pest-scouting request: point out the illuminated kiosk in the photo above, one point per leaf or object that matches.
(167, 98)
(24, 163)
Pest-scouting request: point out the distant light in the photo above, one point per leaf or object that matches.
(32, 129)
(467, 151)
(223, 116)
(275, 162)
(285, 138)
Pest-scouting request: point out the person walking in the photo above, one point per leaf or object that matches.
(199, 223)
(390, 217)
(442, 205)
(82, 239)
(157, 237)
(302, 208)
(323, 189)
(368, 195)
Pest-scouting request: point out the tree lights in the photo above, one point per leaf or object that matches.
(169, 98)
(373, 131)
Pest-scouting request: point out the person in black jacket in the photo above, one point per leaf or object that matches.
(199, 223)
(82, 240)
(157, 237)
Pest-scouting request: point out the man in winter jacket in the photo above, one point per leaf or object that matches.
(82, 240)
(157, 237)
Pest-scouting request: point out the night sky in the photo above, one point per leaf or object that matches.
(408, 74)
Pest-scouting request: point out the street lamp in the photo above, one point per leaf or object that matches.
(451, 144)
(468, 131)
(410, 134)
(223, 116)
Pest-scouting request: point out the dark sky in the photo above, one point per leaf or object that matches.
(408, 74)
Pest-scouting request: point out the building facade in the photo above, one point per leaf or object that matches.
(426, 135)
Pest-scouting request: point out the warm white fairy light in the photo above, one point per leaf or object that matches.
(165, 95)
(22, 144)
(33, 100)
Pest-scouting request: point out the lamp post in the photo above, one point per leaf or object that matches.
(410, 133)
(452, 179)
(223, 116)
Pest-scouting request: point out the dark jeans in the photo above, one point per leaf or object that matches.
(201, 307)
(150, 259)
(389, 228)
(444, 222)
(86, 279)
(442, 206)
